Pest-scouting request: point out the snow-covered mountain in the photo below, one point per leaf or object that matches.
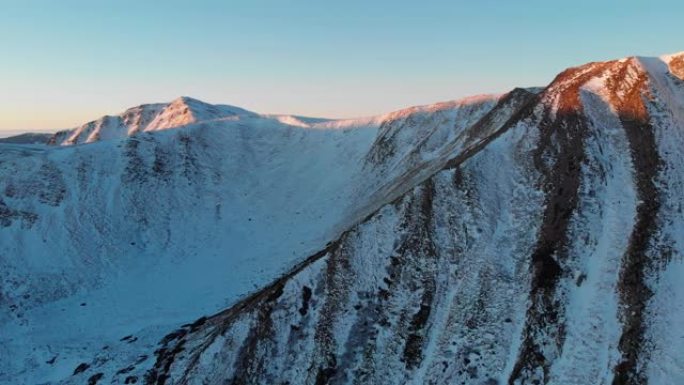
(28, 138)
(532, 237)
(149, 117)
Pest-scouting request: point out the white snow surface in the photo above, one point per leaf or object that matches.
(136, 232)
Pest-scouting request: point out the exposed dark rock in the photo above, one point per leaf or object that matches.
(92, 380)
(82, 367)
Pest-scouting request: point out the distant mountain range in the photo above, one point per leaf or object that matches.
(27, 138)
(532, 237)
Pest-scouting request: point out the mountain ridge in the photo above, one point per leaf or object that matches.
(546, 269)
(186, 110)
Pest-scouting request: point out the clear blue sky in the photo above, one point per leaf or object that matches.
(65, 62)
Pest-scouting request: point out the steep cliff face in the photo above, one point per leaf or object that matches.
(550, 255)
(414, 293)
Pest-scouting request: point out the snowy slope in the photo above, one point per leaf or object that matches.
(138, 232)
(551, 253)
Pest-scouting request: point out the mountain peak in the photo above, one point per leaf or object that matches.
(670, 56)
(185, 110)
(179, 112)
(619, 82)
(676, 63)
(187, 101)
